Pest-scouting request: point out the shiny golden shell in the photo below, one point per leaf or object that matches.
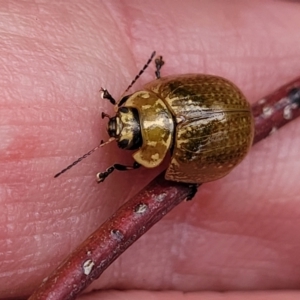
(214, 125)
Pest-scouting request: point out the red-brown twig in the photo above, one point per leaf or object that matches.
(140, 213)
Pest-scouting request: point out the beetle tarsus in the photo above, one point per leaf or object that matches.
(103, 175)
(158, 64)
(294, 96)
(193, 191)
(104, 115)
(106, 95)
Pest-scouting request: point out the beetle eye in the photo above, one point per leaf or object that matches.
(123, 143)
(123, 110)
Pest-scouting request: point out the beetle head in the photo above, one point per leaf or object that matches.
(125, 128)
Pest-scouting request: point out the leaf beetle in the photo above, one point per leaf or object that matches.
(204, 121)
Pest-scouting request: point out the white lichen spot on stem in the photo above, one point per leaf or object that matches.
(88, 266)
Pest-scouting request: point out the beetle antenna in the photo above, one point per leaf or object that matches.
(141, 71)
(83, 157)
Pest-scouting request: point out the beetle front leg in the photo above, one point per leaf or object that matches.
(158, 64)
(102, 175)
(106, 95)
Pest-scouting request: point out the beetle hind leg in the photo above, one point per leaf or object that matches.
(101, 176)
(158, 64)
(193, 190)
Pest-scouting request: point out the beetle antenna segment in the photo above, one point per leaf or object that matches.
(141, 72)
(102, 143)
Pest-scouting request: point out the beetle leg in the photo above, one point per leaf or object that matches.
(193, 190)
(158, 64)
(105, 115)
(102, 175)
(106, 95)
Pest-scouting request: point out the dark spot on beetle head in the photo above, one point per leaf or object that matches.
(112, 127)
(123, 143)
(125, 128)
(124, 110)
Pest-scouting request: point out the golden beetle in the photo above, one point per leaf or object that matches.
(203, 120)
